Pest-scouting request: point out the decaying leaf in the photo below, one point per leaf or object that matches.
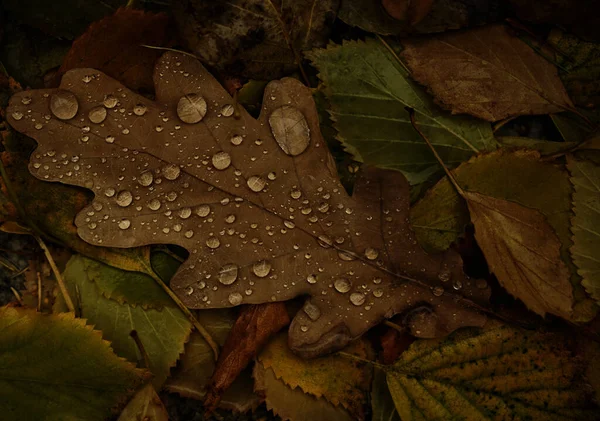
(585, 250)
(339, 380)
(498, 373)
(368, 90)
(259, 39)
(46, 364)
(162, 333)
(486, 72)
(114, 45)
(253, 328)
(544, 147)
(264, 218)
(145, 405)
(293, 404)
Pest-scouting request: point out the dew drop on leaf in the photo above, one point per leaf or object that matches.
(213, 242)
(312, 311)
(371, 253)
(154, 204)
(140, 109)
(146, 179)
(342, 285)
(235, 298)
(171, 171)
(237, 140)
(221, 160)
(185, 213)
(438, 291)
(357, 298)
(124, 224)
(262, 268)
(109, 139)
(256, 183)
(290, 129)
(311, 279)
(227, 110)
(124, 198)
(97, 114)
(110, 101)
(109, 192)
(202, 210)
(64, 104)
(228, 274)
(191, 108)
(17, 115)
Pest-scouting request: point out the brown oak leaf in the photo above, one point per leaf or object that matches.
(257, 203)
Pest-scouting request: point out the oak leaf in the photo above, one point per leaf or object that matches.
(486, 72)
(263, 215)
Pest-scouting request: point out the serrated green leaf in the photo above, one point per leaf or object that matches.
(145, 405)
(496, 373)
(382, 403)
(585, 177)
(163, 333)
(369, 89)
(57, 368)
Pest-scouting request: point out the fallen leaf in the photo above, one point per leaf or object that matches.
(444, 15)
(257, 39)
(499, 372)
(114, 45)
(544, 147)
(162, 333)
(254, 326)
(263, 215)
(46, 365)
(585, 177)
(145, 405)
(293, 404)
(440, 216)
(339, 380)
(368, 99)
(486, 72)
(580, 65)
(382, 404)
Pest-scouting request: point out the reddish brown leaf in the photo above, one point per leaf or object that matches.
(114, 46)
(253, 328)
(394, 343)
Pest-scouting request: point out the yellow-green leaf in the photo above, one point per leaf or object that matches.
(145, 405)
(585, 177)
(57, 368)
(496, 373)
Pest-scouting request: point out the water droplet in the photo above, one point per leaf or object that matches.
(306, 211)
(290, 129)
(171, 171)
(311, 279)
(202, 210)
(189, 290)
(109, 139)
(312, 311)
(371, 253)
(353, 168)
(262, 268)
(97, 114)
(295, 194)
(64, 104)
(228, 274)
(304, 328)
(154, 204)
(124, 198)
(323, 207)
(124, 224)
(221, 160)
(146, 178)
(110, 101)
(237, 140)
(378, 293)
(357, 298)
(185, 213)
(256, 183)
(39, 126)
(457, 284)
(17, 115)
(191, 108)
(347, 256)
(342, 285)
(26, 100)
(272, 176)
(140, 109)
(324, 241)
(213, 242)
(109, 192)
(159, 129)
(445, 275)
(235, 298)
(377, 281)
(438, 291)
(230, 219)
(97, 206)
(227, 110)
(289, 224)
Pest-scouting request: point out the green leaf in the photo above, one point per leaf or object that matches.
(55, 367)
(585, 177)
(163, 333)
(545, 147)
(368, 89)
(441, 215)
(496, 373)
(145, 405)
(382, 403)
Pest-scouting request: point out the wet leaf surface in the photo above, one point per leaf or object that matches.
(486, 72)
(46, 363)
(248, 206)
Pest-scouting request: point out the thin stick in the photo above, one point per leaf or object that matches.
(362, 360)
(17, 295)
(39, 279)
(154, 47)
(394, 326)
(59, 279)
(138, 342)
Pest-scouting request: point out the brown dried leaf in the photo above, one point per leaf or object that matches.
(114, 46)
(273, 224)
(253, 328)
(523, 251)
(486, 72)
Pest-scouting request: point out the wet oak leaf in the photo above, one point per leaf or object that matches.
(486, 72)
(585, 176)
(369, 89)
(114, 46)
(264, 219)
(260, 39)
(339, 380)
(55, 367)
(499, 373)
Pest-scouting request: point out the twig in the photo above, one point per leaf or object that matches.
(362, 360)
(57, 275)
(395, 326)
(39, 280)
(17, 295)
(138, 342)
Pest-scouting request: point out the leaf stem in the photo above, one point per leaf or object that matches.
(57, 275)
(39, 292)
(394, 326)
(138, 342)
(362, 360)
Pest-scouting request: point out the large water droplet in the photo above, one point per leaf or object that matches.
(378, 293)
(290, 129)
(154, 204)
(227, 110)
(256, 183)
(171, 171)
(185, 213)
(445, 275)
(312, 311)
(237, 140)
(342, 285)
(146, 178)
(235, 298)
(140, 109)
(438, 291)
(191, 108)
(64, 104)
(213, 242)
(202, 210)
(124, 198)
(371, 253)
(110, 101)
(228, 274)
(357, 298)
(124, 224)
(17, 115)
(97, 114)
(262, 268)
(295, 194)
(221, 160)
(109, 192)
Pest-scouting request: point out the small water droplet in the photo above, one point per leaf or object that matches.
(228, 274)
(312, 311)
(185, 213)
(124, 224)
(357, 298)
(304, 328)
(109, 139)
(445, 275)
(296, 194)
(347, 256)
(378, 293)
(290, 129)
(159, 129)
(342, 285)
(289, 224)
(110, 101)
(202, 210)
(154, 204)
(17, 115)
(140, 109)
(191, 108)
(438, 291)
(371, 253)
(311, 279)
(97, 114)
(237, 140)
(189, 290)
(146, 178)
(188, 234)
(324, 241)
(109, 192)
(26, 100)
(38, 126)
(221, 160)
(213, 242)
(171, 171)
(272, 176)
(323, 207)
(256, 183)
(124, 198)
(261, 268)
(227, 110)
(230, 219)
(235, 298)
(457, 284)
(64, 104)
